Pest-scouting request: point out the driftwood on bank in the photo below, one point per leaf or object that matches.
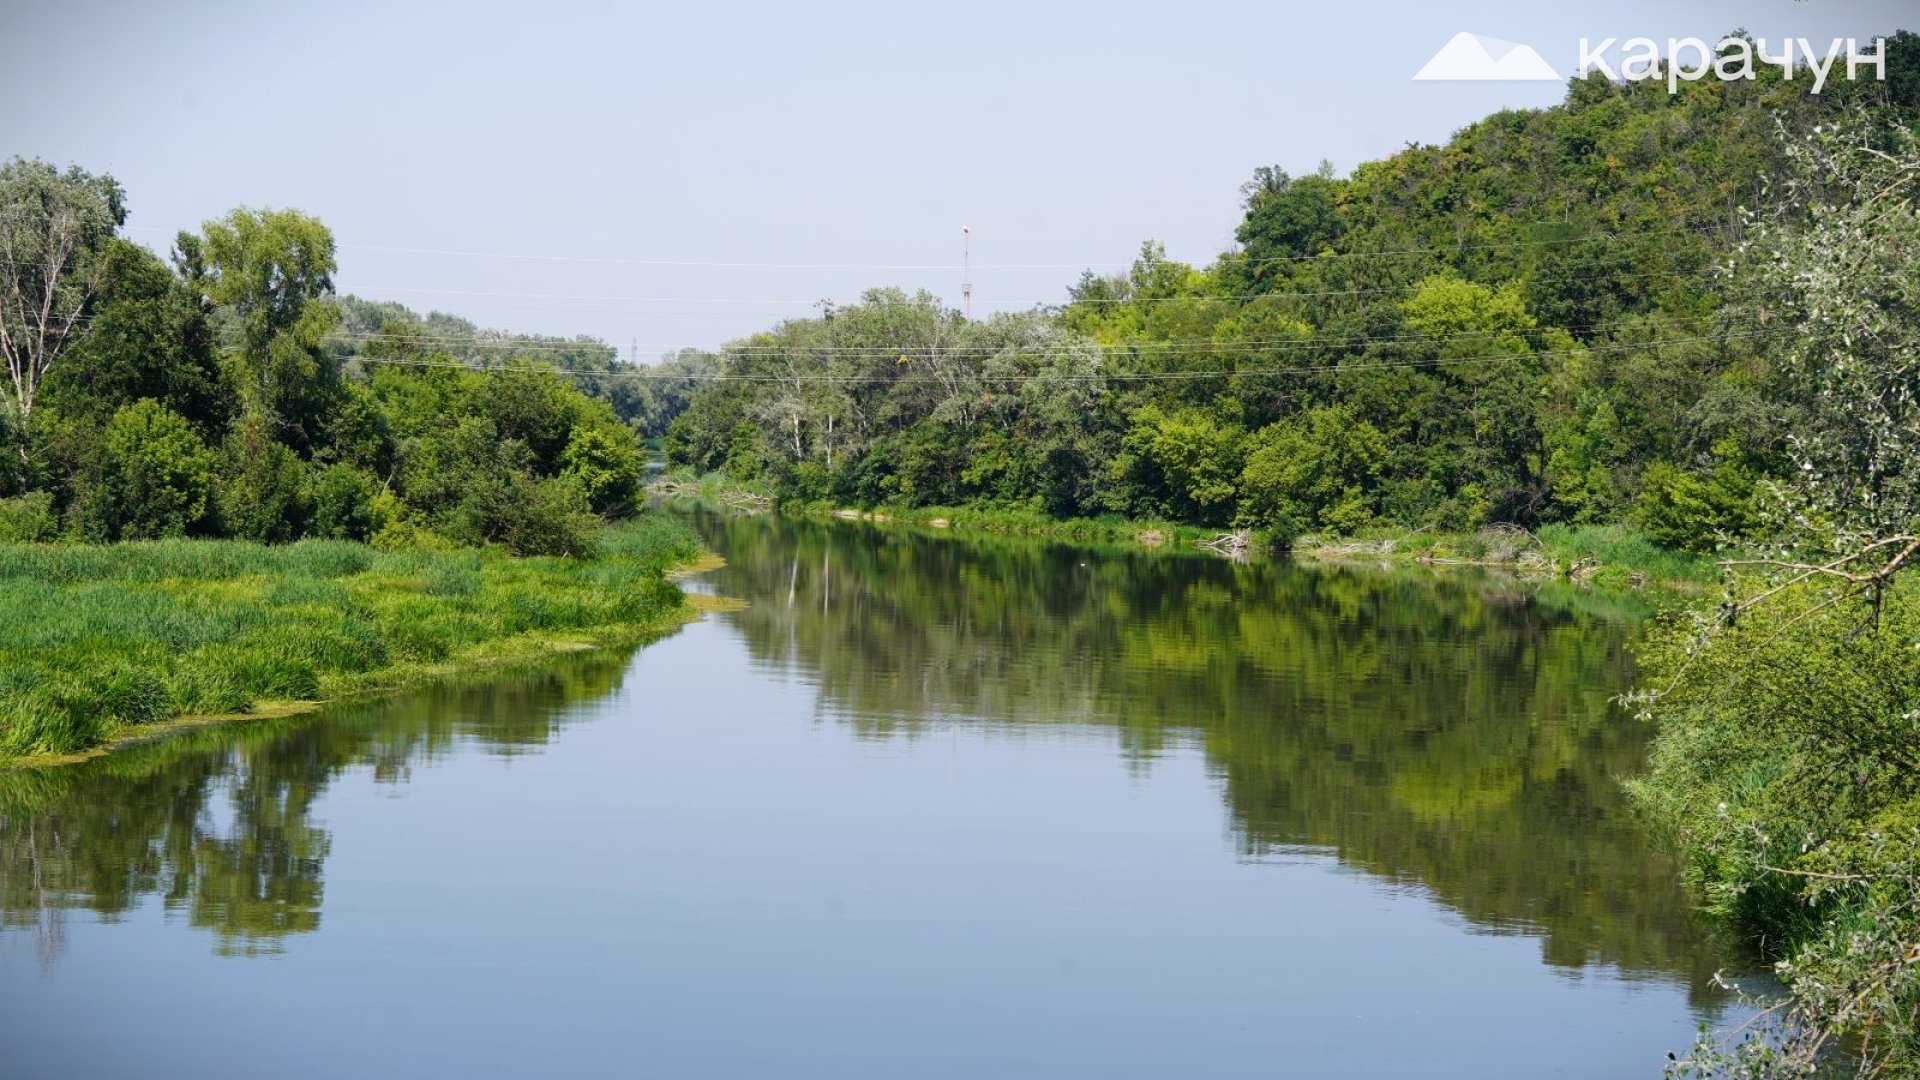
(733, 498)
(1233, 545)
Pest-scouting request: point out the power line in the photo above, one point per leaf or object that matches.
(536, 343)
(615, 260)
(1335, 368)
(1123, 300)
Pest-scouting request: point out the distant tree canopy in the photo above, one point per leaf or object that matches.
(1527, 324)
(235, 394)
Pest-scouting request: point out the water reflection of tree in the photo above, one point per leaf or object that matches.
(218, 823)
(1455, 735)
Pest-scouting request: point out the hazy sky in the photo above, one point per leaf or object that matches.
(597, 144)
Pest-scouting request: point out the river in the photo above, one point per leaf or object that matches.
(925, 807)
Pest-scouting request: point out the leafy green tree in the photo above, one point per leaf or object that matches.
(1181, 465)
(343, 503)
(155, 476)
(605, 462)
(1317, 472)
(1787, 762)
(534, 409)
(270, 275)
(147, 338)
(1700, 513)
(1838, 267)
(263, 493)
(1288, 217)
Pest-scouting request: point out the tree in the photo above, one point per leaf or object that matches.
(263, 494)
(343, 503)
(1181, 465)
(270, 274)
(156, 476)
(1314, 472)
(1288, 218)
(53, 226)
(1787, 760)
(603, 460)
(146, 338)
(1841, 266)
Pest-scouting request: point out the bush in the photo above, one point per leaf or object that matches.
(604, 460)
(343, 503)
(1788, 767)
(1312, 473)
(155, 476)
(264, 496)
(28, 519)
(1694, 512)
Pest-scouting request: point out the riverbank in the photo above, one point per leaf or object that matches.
(117, 644)
(1600, 556)
(1610, 557)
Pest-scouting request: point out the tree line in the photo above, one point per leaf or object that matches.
(1696, 313)
(1531, 323)
(229, 392)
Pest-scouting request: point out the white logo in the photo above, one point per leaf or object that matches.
(1476, 58)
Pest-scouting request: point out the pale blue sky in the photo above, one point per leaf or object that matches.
(858, 134)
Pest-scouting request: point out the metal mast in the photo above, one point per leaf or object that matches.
(966, 271)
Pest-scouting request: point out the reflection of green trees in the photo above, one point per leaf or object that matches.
(1457, 735)
(217, 822)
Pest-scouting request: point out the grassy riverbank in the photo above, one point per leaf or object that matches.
(108, 641)
(1006, 521)
(1601, 556)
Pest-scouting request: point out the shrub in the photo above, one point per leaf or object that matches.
(28, 519)
(604, 460)
(343, 498)
(1788, 768)
(264, 495)
(1312, 473)
(154, 476)
(545, 517)
(1687, 510)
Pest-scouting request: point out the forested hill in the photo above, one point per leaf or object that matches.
(1534, 322)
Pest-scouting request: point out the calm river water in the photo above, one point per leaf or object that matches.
(925, 808)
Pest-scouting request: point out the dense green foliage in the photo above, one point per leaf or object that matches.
(1525, 325)
(104, 637)
(646, 402)
(1788, 764)
(235, 396)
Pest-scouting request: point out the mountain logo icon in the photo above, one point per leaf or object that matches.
(1478, 58)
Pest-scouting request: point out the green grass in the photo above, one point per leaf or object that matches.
(1612, 557)
(1018, 521)
(1624, 550)
(107, 639)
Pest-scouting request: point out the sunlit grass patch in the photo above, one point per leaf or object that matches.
(107, 638)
